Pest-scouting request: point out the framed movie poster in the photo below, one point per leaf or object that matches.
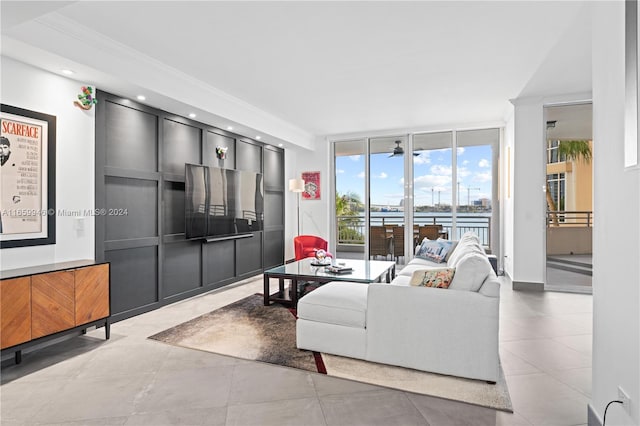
(311, 185)
(27, 178)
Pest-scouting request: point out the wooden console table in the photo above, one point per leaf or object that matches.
(43, 302)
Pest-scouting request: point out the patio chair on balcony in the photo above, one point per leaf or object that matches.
(431, 232)
(398, 242)
(379, 242)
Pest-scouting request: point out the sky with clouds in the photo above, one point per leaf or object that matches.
(432, 171)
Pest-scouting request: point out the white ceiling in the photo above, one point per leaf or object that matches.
(572, 122)
(312, 68)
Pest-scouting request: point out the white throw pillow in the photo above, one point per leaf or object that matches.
(471, 271)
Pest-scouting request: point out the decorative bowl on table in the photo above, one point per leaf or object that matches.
(320, 259)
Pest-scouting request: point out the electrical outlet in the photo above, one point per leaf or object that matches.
(626, 401)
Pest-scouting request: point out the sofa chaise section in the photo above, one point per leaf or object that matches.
(446, 331)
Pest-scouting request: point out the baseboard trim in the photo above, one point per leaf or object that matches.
(527, 286)
(593, 419)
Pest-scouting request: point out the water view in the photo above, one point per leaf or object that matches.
(437, 184)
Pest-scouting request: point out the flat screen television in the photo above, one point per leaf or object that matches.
(222, 203)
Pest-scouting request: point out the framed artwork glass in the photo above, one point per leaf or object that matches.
(27, 178)
(311, 185)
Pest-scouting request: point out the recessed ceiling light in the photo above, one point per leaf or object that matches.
(229, 128)
(140, 97)
(280, 145)
(192, 115)
(258, 137)
(67, 72)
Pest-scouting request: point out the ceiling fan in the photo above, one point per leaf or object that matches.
(398, 151)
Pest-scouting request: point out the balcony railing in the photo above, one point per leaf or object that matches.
(351, 229)
(570, 218)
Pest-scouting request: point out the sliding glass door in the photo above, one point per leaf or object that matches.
(433, 197)
(349, 166)
(386, 196)
(393, 191)
(476, 155)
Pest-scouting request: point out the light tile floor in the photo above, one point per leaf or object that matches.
(545, 346)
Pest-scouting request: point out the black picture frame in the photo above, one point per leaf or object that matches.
(50, 212)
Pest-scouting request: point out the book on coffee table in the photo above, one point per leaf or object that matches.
(339, 269)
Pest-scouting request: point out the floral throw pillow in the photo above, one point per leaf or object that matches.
(434, 250)
(435, 277)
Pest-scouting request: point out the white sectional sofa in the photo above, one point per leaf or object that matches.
(451, 331)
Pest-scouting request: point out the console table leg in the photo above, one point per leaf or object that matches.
(84, 331)
(107, 329)
(18, 357)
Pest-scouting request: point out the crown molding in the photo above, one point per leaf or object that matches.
(69, 39)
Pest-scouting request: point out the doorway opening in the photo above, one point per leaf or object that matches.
(569, 198)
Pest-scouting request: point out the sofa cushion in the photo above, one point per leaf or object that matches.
(401, 280)
(337, 302)
(471, 271)
(463, 248)
(412, 267)
(490, 286)
(424, 262)
(434, 250)
(470, 237)
(434, 277)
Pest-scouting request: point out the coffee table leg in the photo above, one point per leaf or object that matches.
(281, 288)
(265, 290)
(294, 293)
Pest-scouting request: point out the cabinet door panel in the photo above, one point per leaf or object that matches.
(52, 303)
(92, 293)
(15, 311)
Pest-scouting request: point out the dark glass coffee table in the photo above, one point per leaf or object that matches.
(364, 271)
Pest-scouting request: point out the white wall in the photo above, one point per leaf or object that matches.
(31, 88)
(315, 218)
(315, 213)
(528, 200)
(506, 193)
(616, 240)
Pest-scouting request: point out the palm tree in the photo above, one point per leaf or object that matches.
(578, 150)
(348, 204)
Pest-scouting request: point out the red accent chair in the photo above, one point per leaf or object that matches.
(307, 245)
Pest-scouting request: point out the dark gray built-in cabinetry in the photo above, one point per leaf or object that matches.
(141, 154)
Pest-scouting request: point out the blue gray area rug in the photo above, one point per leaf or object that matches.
(249, 330)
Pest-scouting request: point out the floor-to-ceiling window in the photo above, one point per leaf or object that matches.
(476, 154)
(349, 167)
(452, 180)
(432, 186)
(386, 195)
